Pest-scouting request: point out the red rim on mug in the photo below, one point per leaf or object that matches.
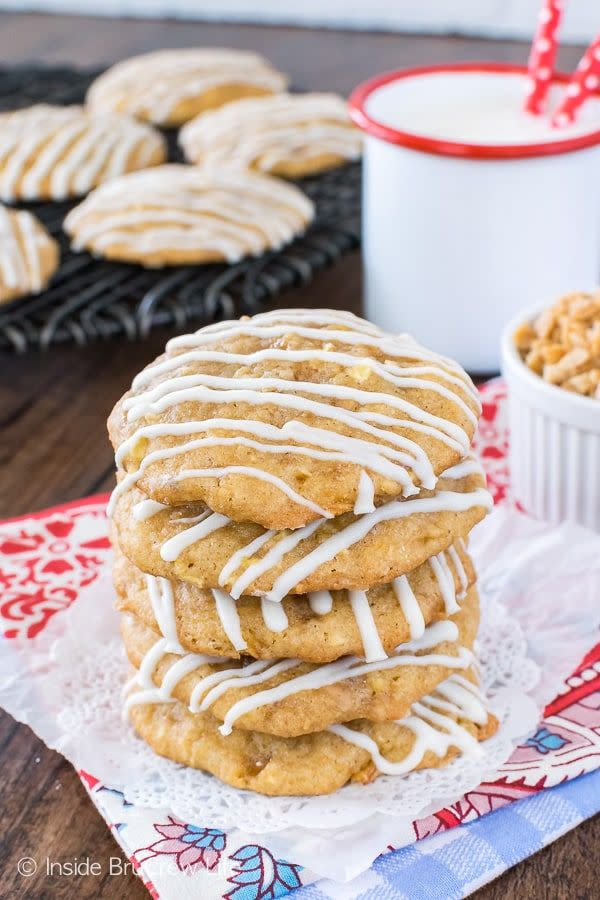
(442, 147)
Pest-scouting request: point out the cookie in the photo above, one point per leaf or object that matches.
(349, 552)
(317, 628)
(440, 726)
(179, 215)
(288, 416)
(57, 152)
(288, 697)
(29, 257)
(168, 87)
(291, 135)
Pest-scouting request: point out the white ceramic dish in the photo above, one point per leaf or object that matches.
(468, 215)
(554, 442)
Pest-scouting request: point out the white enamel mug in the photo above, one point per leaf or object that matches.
(460, 234)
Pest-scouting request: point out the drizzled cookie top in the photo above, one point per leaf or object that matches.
(284, 134)
(291, 417)
(55, 152)
(177, 214)
(28, 255)
(168, 87)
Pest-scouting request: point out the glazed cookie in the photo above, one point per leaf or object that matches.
(56, 152)
(288, 416)
(319, 627)
(288, 697)
(442, 725)
(179, 215)
(356, 552)
(168, 87)
(29, 257)
(288, 134)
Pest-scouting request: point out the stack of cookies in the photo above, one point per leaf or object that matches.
(294, 497)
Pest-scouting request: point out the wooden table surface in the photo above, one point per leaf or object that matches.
(54, 448)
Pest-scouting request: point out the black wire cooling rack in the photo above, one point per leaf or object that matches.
(90, 299)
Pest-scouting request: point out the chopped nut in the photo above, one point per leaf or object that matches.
(571, 364)
(563, 343)
(524, 336)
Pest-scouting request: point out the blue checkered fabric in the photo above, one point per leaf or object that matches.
(457, 862)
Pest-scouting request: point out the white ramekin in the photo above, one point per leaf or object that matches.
(554, 442)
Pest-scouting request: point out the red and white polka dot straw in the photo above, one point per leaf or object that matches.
(543, 53)
(585, 81)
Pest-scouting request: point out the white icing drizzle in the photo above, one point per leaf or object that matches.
(178, 670)
(274, 615)
(460, 571)
(230, 620)
(468, 466)
(213, 685)
(410, 607)
(153, 84)
(201, 388)
(234, 676)
(241, 555)
(261, 475)
(347, 537)
(232, 214)
(364, 497)
(150, 661)
(140, 698)
(216, 678)
(320, 602)
(145, 509)
(433, 731)
(265, 131)
(63, 151)
(461, 692)
(379, 458)
(280, 322)
(160, 592)
(372, 646)
(271, 558)
(389, 371)
(332, 673)
(22, 242)
(174, 546)
(445, 579)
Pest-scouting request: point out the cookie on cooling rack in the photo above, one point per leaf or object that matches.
(169, 87)
(179, 215)
(56, 152)
(29, 257)
(288, 134)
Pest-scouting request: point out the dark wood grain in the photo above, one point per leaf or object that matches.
(53, 444)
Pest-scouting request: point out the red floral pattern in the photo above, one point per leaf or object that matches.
(45, 561)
